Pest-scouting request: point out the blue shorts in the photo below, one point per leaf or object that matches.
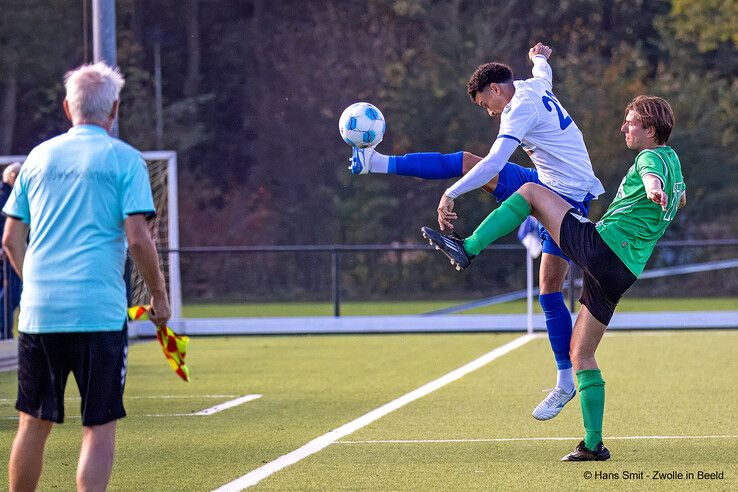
(512, 177)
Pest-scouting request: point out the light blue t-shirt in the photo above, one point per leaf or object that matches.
(75, 192)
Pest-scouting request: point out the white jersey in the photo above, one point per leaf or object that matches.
(535, 119)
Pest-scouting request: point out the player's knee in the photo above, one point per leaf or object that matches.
(528, 190)
(36, 426)
(468, 161)
(581, 358)
(551, 285)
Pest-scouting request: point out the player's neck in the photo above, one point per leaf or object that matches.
(508, 90)
(104, 125)
(651, 147)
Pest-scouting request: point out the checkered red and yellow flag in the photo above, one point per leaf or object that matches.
(174, 346)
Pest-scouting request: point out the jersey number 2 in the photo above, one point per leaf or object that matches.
(564, 121)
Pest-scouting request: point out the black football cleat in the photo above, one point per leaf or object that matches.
(450, 245)
(582, 453)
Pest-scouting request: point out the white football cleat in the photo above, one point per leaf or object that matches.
(553, 403)
(361, 160)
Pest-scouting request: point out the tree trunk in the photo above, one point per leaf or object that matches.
(7, 115)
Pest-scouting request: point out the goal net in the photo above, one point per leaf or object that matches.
(164, 228)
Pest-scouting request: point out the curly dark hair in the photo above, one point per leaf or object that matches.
(653, 112)
(489, 73)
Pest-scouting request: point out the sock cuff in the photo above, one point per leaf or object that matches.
(519, 205)
(392, 165)
(456, 163)
(589, 377)
(552, 300)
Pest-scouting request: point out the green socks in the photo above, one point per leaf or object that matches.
(509, 215)
(592, 399)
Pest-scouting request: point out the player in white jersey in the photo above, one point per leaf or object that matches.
(533, 117)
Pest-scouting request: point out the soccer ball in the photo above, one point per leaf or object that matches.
(362, 125)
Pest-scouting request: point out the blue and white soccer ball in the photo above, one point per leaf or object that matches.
(362, 125)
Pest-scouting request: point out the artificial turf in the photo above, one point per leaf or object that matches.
(658, 383)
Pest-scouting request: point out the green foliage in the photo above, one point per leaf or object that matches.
(706, 22)
(259, 153)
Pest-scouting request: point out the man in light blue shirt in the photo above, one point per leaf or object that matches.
(81, 198)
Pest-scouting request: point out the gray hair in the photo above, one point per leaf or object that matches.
(92, 90)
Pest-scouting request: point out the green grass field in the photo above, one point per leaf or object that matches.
(658, 384)
(192, 310)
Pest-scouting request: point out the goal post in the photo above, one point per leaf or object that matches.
(164, 188)
(162, 166)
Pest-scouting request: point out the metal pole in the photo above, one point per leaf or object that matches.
(104, 47)
(157, 96)
(175, 281)
(7, 332)
(336, 273)
(529, 286)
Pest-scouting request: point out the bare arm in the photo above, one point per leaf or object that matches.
(143, 253)
(683, 200)
(655, 190)
(15, 239)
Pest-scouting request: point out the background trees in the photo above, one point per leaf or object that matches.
(253, 90)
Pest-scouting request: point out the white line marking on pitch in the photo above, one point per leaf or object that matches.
(515, 439)
(227, 405)
(317, 444)
(150, 397)
(201, 413)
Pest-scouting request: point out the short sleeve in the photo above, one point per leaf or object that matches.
(517, 122)
(17, 204)
(136, 191)
(651, 163)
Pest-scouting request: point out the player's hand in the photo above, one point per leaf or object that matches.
(160, 311)
(658, 196)
(539, 49)
(446, 213)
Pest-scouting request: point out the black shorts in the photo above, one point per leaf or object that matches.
(606, 278)
(98, 361)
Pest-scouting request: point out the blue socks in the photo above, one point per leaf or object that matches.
(558, 324)
(427, 165)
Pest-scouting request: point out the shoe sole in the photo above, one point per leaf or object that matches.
(597, 458)
(542, 419)
(454, 263)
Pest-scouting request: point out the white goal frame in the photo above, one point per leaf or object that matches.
(175, 282)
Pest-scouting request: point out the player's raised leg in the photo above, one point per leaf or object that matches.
(531, 199)
(426, 165)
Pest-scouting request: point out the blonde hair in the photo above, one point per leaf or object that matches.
(92, 90)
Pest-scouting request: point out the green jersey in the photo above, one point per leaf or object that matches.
(633, 223)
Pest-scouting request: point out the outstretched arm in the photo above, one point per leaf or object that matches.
(486, 169)
(539, 54)
(479, 176)
(655, 190)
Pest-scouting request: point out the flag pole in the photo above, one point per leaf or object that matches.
(529, 286)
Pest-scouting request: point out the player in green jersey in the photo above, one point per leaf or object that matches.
(611, 253)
